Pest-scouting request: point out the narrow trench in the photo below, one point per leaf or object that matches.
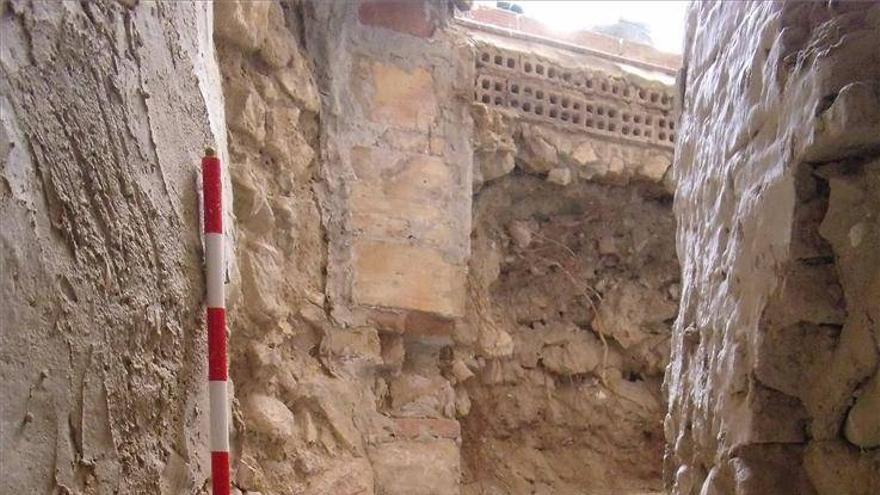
(456, 258)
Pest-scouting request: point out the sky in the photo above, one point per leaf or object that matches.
(665, 18)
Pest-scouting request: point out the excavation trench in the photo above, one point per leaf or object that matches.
(460, 260)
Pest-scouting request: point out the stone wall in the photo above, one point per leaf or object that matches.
(353, 214)
(775, 349)
(294, 424)
(105, 110)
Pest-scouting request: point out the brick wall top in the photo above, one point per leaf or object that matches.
(636, 52)
(414, 17)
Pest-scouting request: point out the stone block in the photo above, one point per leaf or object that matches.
(242, 23)
(863, 421)
(246, 112)
(398, 97)
(345, 476)
(284, 143)
(278, 45)
(413, 17)
(579, 353)
(296, 81)
(407, 277)
(269, 416)
(774, 417)
(352, 347)
(539, 152)
(417, 468)
(584, 154)
(810, 293)
(494, 164)
(768, 468)
(560, 175)
(404, 196)
(655, 166)
(426, 428)
(417, 396)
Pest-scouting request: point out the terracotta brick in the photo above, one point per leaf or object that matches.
(414, 17)
(407, 277)
(425, 324)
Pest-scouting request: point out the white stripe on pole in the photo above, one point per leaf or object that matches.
(218, 397)
(214, 260)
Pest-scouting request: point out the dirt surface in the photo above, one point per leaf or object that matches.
(579, 287)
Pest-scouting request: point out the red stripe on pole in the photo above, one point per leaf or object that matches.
(217, 344)
(213, 194)
(220, 473)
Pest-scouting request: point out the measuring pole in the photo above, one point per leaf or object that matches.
(216, 302)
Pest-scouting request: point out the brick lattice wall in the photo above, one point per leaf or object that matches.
(589, 100)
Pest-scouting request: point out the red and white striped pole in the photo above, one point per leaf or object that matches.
(217, 369)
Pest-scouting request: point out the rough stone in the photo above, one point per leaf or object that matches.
(521, 233)
(496, 164)
(354, 348)
(584, 154)
(655, 167)
(863, 421)
(246, 113)
(393, 350)
(297, 82)
(347, 476)
(285, 143)
(460, 371)
(578, 353)
(278, 47)
(242, 23)
(561, 176)
(628, 312)
(414, 395)
(269, 416)
(540, 154)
